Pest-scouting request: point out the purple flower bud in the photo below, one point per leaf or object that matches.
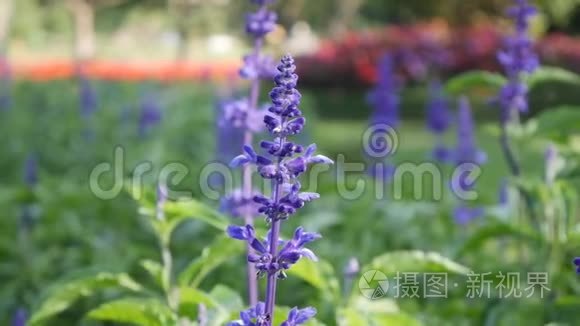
(503, 194)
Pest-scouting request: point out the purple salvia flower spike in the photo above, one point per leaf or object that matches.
(517, 58)
(384, 97)
(438, 121)
(287, 164)
(150, 114)
(87, 97)
(466, 150)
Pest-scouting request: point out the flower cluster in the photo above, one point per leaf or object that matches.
(256, 316)
(282, 164)
(438, 121)
(517, 57)
(577, 263)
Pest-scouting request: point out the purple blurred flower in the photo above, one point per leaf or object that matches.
(150, 113)
(466, 150)
(352, 268)
(503, 193)
(438, 121)
(20, 318)
(162, 195)
(384, 97)
(577, 263)
(31, 170)
(261, 22)
(258, 66)
(464, 214)
(517, 57)
(238, 205)
(87, 97)
(438, 115)
(299, 316)
(238, 114)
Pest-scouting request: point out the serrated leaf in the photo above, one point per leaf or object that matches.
(62, 296)
(319, 274)
(221, 250)
(136, 311)
(493, 231)
(547, 74)
(474, 80)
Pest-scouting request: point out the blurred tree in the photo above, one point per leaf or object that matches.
(6, 10)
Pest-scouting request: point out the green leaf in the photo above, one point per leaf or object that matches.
(221, 250)
(414, 261)
(230, 305)
(474, 80)
(547, 74)
(559, 123)
(493, 231)
(177, 212)
(136, 311)
(62, 296)
(319, 274)
(155, 270)
(190, 299)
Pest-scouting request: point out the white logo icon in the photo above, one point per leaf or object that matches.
(373, 284)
